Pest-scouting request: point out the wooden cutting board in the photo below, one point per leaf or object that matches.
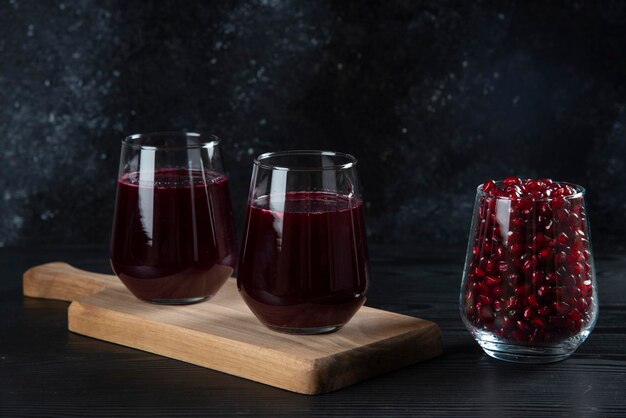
(222, 333)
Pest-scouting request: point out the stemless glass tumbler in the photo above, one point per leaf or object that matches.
(528, 292)
(303, 266)
(173, 236)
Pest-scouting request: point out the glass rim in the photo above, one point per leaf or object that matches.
(580, 192)
(259, 161)
(212, 140)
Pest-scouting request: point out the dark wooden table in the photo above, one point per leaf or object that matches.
(47, 371)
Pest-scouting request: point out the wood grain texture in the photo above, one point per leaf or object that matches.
(60, 281)
(222, 334)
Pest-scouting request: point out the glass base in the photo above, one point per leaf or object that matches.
(305, 331)
(529, 354)
(184, 301)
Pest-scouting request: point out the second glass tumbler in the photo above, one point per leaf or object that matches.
(304, 265)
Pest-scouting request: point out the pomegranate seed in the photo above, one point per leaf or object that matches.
(512, 303)
(564, 191)
(577, 208)
(484, 300)
(517, 249)
(573, 220)
(514, 279)
(525, 204)
(549, 228)
(580, 244)
(528, 313)
(544, 292)
(562, 215)
(517, 223)
(560, 292)
(512, 181)
(575, 326)
(532, 301)
(489, 186)
(536, 194)
(536, 185)
(575, 316)
(540, 240)
(484, 288)
(493, 280)
(480, 273)
(538, 277)
(561, 307)
(585, 288)
(558, 202)
(513, 192)
(562, 239)
(514, 238)
(470, 310)
(575, 256)
(529, 265)
(538, 322)
(545, 255)
(522, 291)
(578, 269)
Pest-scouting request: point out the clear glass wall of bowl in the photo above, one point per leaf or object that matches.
(529, 289)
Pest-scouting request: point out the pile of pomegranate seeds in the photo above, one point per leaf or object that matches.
(514, 187)
(529, 278)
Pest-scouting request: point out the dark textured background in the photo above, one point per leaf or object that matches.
(433, 97)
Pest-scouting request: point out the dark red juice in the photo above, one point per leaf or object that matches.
(304, 260)
(173, 236)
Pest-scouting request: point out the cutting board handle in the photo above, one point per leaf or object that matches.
(61, 281)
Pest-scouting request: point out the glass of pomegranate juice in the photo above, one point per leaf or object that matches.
(303, 265)
(528, 292)
(173, 236)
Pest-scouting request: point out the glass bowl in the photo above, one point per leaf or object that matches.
(529, 290)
